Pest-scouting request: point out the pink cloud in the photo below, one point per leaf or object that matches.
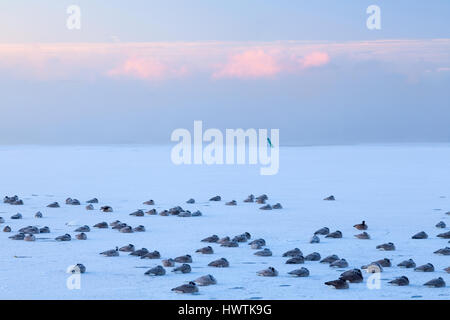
(141, 68)
(249, 64)
(315, 59)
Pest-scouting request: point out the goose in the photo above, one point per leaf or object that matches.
(184, 259)
(363, 236)
(164, 213)
(93, 200)
(191, 287)
(191, 201)
(205, 250)
(296, 260)
(250, 198)
(425, 268)
(53, 205)
(420, 235)
(262, 197)
(292, 253)
(385, 263)
(443, 252)
(330, 259)
(315, 256)
(445, 235)
(352, 276)
(447, 269)
(84, 228)
(337, 284)
(435, 283)
(156, 271)
(184, 268)
(78, 268)
(185, 214)
(277, 206)
(215, 198)
(220, 263)
(19, 236)
(302, 272)
(231, 203)
(139, 228)
(29, 237)
(400, 281)
(74, 202)
(137, 213)
(223, 240)
(260, 241)
(330, 198)
(65, 237)
(151, 255)
(242, 237)
(374, 267)
(407, 264)
(263, 253)
(89, 207)
(101, 225)
(151, 212)
(168, 262)
(139, 253)
(111, 253)
(314, 239)
(196, 213)
(149, 203)
(322, 231)
(336, 235)
(342, 263)
(441, 225)
(81, 236)
(127, 248)
(266, 207)
(119, 226)
(16, 216)
(38, 215)
(7, 229)
(361, 226)
(114, 223)
(44, 230)
(175, 210)
(386, 246)
(2, 220)
(256, 245)
(10, 200)
(29, 230)
(106, 209)
(269, 272)
(230, 244)
(211, 239)
(260, 201)
(205, 280)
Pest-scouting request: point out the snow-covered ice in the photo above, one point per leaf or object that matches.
(398, 190)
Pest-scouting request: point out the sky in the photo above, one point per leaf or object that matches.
(137, 70)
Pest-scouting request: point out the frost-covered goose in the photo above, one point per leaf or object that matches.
(386, 246)
(139, 253)
(184, 268)
(242, 237)
(322, 231)
(111, 253)
(205, 250)
(435, 283)
(137, 213)
(296, 260)
(84, 228)
(93, 200)
(205, 280)
(19, 236)
(292, 253)
(151, 212)
(215, 198)
(363, 236)
(220, 263)
(191, 201)
(101, 225)
(361, 226)
(53, 205)
(441, 225)
(168, 262)
(400, 281)
(152, 255)
(266, 207)
(425, 268)
(341, 263)
(149, 202)
(190, 287)
(336, 235)
(211, 239)
(184, 259)
(315, 256)
(250, 198)
(337, 284)
(65, 237)
(16, 216)
(263, 253)
(302, 272)
(269, 272)
(314, 239)
(139, 228)
(277, 206)
(443, 252)
(127, 248)
(407, 264)
(81, 236)
(330, 198)
(156, 271)
(29, 237)
(106, 209)
(38, 215)
(352, 276)
(44, 230)
(78, 268)
(89, 207)
(445, 235)
(231, 203)
(7, 229)
(420, 235)
(230, 244)
(330, 259)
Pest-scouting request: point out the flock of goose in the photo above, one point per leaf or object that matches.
(181, 264)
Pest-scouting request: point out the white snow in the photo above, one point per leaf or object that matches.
(398, 189)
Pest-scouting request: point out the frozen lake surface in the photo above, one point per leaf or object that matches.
(398, 190)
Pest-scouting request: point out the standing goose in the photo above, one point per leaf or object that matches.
(156, 271)
(111, 253)
(401, 281)
(269, 272)
(361, 226)
(191, 287)
(184, 268)
(302, 272)
(205, 280)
